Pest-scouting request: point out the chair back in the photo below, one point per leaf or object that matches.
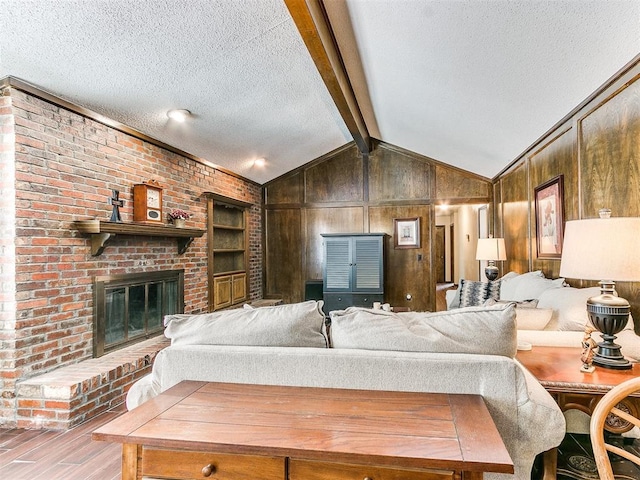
(608, 405)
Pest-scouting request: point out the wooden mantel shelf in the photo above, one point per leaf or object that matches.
(103, 231)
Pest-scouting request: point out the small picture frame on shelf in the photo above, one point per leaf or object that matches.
(549, 218)
(406, 232)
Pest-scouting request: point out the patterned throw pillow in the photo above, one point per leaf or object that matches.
(473, 294)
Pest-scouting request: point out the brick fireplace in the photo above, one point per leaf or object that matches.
(60, 165)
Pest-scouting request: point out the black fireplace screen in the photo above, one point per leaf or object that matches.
(130, 308)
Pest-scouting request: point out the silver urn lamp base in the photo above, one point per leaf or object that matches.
(609, 314)
(491, 271)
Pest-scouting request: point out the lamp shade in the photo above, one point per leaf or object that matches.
(602, 249)
(491, 249)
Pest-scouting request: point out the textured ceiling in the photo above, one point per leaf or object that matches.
(470, 83)
(239, 66)
(474, 83)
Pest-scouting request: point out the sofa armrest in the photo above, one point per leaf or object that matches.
(541, 404)
(453, 298)
(144, 389)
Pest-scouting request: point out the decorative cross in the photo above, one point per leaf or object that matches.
(117, 203)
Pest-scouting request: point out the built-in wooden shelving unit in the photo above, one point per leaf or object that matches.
(228, 249)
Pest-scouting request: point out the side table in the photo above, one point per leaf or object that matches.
(558, 371)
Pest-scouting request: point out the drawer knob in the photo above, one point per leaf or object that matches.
(208, 470)
(367, 478)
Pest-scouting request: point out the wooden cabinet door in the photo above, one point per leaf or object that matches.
(222, 292)
(239, 288)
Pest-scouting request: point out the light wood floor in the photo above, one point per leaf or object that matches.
(60, 455)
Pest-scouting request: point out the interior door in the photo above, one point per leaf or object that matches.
(452, 249)
(440, 254)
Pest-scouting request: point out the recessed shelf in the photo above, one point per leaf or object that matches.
(227, 227)
(229, 272)
(102, 231)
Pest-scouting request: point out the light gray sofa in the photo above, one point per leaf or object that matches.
(467, 352)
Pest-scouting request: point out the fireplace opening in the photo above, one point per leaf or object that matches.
(130, 308)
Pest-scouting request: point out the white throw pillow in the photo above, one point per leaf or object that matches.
(570, 305)
(509, 276)
(533, 318)
(528, 286)
(290, 325)
(509, 286)
(570, 308)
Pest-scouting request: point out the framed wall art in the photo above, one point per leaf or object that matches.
(549, 218)
(406, 232)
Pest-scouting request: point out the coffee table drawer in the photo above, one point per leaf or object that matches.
(310, 470)
(191, 465)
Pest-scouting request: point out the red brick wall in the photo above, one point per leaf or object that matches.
(7, 261)
(65, 168)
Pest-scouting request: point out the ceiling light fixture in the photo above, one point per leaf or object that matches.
(179, 115)
(259, 162)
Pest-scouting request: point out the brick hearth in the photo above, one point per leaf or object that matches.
(72, 394)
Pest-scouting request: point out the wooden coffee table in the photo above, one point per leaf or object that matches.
(237, 431)
(558, 371)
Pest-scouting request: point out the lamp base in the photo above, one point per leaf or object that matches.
(491, 272)
(609, 355)
(609, 314)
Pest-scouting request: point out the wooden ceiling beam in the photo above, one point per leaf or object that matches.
(311, 19)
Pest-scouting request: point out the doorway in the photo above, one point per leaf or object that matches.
(461, 226)
(440, 247)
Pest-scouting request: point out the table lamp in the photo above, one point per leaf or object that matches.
(491, 249)
(604, 249)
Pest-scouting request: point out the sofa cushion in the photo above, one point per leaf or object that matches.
(292, 325)
(510, 286)
(473, 294)
(528, 286)
(528, 316)
(569, 305)
(479, 330)
(533, 318)
(533, 303)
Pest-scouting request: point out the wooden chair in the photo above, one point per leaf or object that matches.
(607, 406)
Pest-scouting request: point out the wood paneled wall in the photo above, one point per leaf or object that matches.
(346, 192)
(597, 150)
